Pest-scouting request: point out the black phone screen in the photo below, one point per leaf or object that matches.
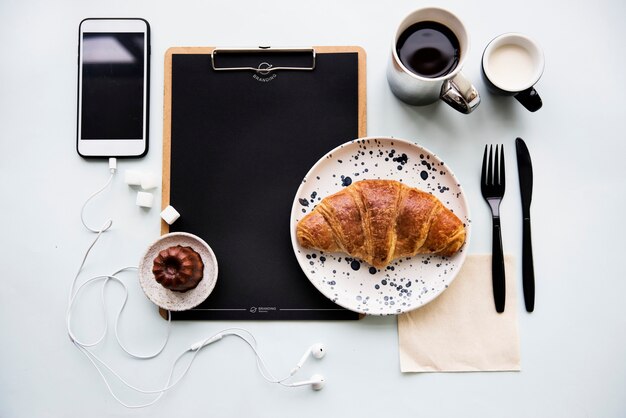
(112, 85)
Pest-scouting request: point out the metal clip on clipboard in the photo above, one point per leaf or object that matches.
(263, 68)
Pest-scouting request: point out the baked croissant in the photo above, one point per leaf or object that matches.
(379, 221)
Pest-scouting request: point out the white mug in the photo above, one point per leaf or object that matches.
(449, 85)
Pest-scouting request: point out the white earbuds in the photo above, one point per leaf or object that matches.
(317, 382)
(316, 350)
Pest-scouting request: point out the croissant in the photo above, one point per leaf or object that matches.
(379, 221)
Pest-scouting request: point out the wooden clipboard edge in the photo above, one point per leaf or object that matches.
(167, 106)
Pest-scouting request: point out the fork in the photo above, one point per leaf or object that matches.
(492, 182)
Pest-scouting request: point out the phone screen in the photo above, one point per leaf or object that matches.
(112, 85)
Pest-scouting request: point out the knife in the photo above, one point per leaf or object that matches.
(525, 171)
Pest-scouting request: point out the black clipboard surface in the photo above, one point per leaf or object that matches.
(236, 146)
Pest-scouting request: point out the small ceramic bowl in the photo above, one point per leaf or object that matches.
(168, 299)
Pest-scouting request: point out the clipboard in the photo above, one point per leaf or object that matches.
(242, 127)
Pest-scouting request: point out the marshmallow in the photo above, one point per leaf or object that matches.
(132, 177)
(170, 215)
(144, 199)
(149, 180)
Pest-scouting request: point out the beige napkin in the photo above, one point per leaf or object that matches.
(461, 330)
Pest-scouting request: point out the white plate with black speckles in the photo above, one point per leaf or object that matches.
(407, 283)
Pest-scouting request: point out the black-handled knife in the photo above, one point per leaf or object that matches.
(525, 170)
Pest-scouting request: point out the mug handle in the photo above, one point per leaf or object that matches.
(459, 93)
(530, 99)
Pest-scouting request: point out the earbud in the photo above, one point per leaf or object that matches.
(317, 382)
(316, 350)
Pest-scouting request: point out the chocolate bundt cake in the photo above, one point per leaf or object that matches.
(178, 268)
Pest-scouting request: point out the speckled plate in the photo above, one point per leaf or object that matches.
(168, 299)
(407, 283)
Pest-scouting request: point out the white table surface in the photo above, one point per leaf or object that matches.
(572, 346)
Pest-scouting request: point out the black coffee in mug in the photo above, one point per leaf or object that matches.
(429, 49)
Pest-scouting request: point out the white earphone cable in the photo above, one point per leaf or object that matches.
(73, 295)
(195, 349)
(108, 223)
(252, 343)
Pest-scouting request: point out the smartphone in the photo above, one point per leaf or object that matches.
(113, 87)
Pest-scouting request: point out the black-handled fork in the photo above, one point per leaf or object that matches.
(492, 182)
